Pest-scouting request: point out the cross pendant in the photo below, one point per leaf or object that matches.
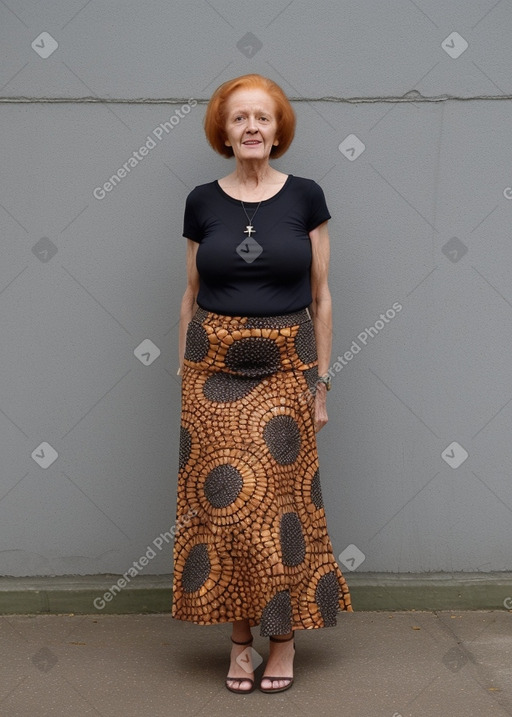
(250, 229)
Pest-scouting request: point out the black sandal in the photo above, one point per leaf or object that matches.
(275, 679)
(240, 679)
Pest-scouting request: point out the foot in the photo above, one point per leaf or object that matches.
(240, 676)
(280, 662)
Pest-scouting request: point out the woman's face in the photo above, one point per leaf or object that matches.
(251, 124)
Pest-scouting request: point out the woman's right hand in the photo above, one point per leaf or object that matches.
(188, 303)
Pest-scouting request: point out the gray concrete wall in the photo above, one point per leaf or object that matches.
(416, 458)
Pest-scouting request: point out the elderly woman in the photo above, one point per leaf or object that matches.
(255, 342)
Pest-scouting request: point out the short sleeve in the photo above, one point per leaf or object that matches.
(191, 221)
(318, 212)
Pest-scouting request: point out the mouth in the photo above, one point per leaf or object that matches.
(251, 142)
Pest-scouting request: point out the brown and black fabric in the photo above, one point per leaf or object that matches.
(252, 540)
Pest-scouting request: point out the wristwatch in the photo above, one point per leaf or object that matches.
(325, 379)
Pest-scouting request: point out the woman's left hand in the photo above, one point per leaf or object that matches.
(321, 417)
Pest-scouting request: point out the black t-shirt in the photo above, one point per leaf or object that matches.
(266, 274)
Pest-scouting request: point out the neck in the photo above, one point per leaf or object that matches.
(252, 174)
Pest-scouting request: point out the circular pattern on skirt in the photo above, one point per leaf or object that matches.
(214, 586)
(224, 389)
(253, 500)
(271, 400)
(319, 595)
(197, 344)
(197, 568)
(256, 546)
(316, 491)
(185, 446)
(311, 376)
(282, 436)
(305, 342)
(276, 618)
(312, 517)
(253, 356)
(223, 485)
(293, 546)
(327, 595)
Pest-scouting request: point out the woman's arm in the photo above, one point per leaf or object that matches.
(188, 303)
(321, 309)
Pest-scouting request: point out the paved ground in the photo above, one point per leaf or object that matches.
(373, 664)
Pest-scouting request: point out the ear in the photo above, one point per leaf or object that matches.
(227, 143)
(275, 142)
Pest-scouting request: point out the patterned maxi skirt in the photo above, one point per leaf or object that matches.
(251, 537)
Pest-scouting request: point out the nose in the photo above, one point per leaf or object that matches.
(251, 124)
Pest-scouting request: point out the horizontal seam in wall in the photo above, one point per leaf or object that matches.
(412, 96)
